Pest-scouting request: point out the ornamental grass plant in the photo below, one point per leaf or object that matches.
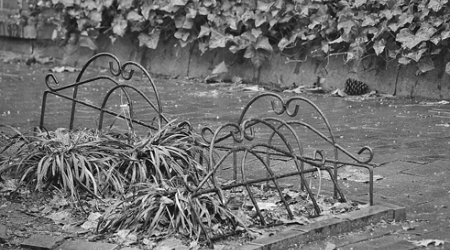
(151, 177)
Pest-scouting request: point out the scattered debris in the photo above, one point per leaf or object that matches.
(443, 102)
(426, 243)
(253, 88)
(92, 221)
(338, 93)
(126, 237)
(61, 69)
(354, 174)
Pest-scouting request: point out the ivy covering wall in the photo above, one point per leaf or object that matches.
(408, 32)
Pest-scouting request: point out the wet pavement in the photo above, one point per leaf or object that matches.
(410, 138)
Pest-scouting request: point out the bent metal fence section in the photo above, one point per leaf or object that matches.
(251, 146)
(117, 70)
(271, 138)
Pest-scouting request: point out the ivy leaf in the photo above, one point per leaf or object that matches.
(416, 55)
(107, 3)
(225, 6)
(191, 12)
(359, 3)
(89, 4)
(260, 18)
(232, 23)
(284, 42)
(188, 23)
(249, 36)
(368, 21)
(203, 47)
(119, 25)
(217, 39)
(403, 19)
(425, 65)
(435, 39)
(387, 14)
(96, 17)
(202, 10)
(125, 4)
(247, 15)
(410, 40)
(204, 31)
(182, 34)
(404, 60)
(445, 34)
(240, 43)
(68, 3)
(437, 5)
(87, 42)
(263, 43)
(179, 21)
(256, 32)
(170, 8)
(264, 7)
(178, 2)
(249, 52)
(208, 3)
(220, 68)
(338, 40)
(347, 25)
(379, 46)
(447, 68)
(150, 40)
(134, 16)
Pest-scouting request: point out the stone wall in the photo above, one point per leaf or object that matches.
(171, 59)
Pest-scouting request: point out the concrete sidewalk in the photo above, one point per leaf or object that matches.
(410, 138)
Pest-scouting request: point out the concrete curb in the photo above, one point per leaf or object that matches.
(294, 237)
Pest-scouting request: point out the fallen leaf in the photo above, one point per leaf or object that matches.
(266, 205)
(9, 185)
(63, 69)
(221, 68)
(443, 102)
(300, 220)
(171, 244)
(357, 175)
(297, 90)
(426, 242)
(92, 221)
(338, 93)
(253, 88)
(125, 237)
(62, 217)
(330, 246)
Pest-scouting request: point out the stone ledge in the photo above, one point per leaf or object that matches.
(294, 237)
(42, 242)
(84, 245)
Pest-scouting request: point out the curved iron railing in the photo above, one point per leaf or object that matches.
(120, 72)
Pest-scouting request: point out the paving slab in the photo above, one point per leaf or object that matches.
(85, 245)
(296, 237)
(383, 243)
(42, 242)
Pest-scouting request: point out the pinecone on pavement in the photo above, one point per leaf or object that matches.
(355, 87)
